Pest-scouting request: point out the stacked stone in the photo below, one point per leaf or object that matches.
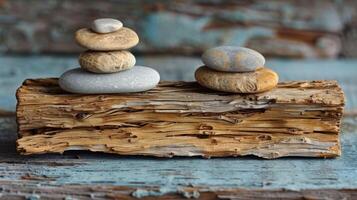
(235, 69)
(107, 66)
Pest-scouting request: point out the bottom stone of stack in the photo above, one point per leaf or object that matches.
(182, 119)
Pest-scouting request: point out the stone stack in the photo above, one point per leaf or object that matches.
(107, 66)
(235, 69)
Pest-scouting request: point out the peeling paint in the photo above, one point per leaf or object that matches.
(190, 32)
(33, 197)
(29, 31)
(174, 26)
(140, 193)
(189, 194)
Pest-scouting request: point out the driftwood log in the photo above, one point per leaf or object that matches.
(300, 118)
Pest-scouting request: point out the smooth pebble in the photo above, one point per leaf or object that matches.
(106, 61)
(232, 59)
(106, 25)
(137, 79)
(263, 79)
(122, 39)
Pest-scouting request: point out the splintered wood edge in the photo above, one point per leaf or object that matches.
(98, 140)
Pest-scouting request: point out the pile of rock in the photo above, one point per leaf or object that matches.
(235, 69)
(107, 66)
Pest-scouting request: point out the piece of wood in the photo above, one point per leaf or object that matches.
(81, 175)
(299, 118)
(29, 188)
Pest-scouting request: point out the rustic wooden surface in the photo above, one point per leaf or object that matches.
(297, 118)
(273, 27)
(86, 175)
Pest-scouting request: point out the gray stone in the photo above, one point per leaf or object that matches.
(106, 25)
(137, 79)
(232, 59)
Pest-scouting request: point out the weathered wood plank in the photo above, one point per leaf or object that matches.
(274, 27)
(83, 174)
(29, 189)
(183, 119)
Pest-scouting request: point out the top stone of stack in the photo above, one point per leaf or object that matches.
(107, 35)
(233, 59)
(106, 25)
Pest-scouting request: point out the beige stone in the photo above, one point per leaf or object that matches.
(263, 79)
(121, 39)
(106, 62)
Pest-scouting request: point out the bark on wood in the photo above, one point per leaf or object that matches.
(183, 119)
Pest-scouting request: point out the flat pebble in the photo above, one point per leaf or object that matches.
(263, 79)
(137, 79)
(106, 61)
(232, 59)
(106, 25)
(122, 39)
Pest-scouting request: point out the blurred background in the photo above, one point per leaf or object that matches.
(301, 39)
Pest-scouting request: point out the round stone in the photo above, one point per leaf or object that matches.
(106, 61)
(106, 25)
(121, 39)
(263, 79)
(232, 59)
(137, 79)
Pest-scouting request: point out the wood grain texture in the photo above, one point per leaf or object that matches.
(25, 190)
(183, 119)
(97, 175)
